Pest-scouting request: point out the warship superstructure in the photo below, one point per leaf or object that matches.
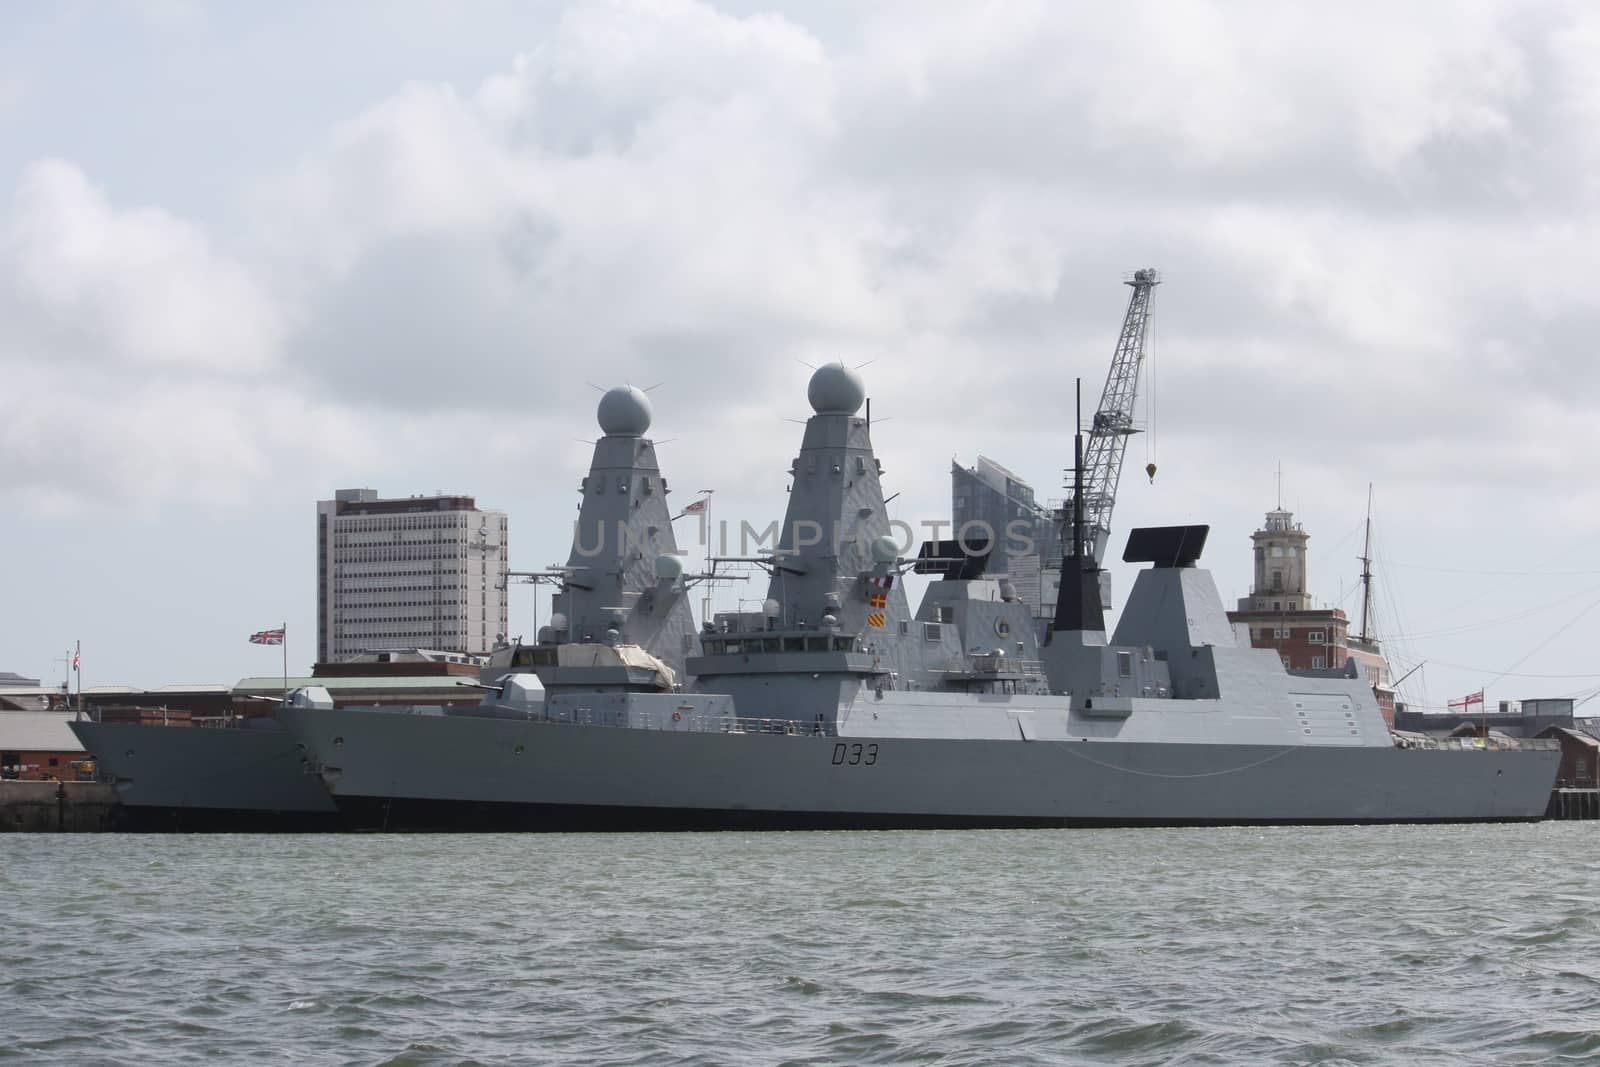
(836, 706)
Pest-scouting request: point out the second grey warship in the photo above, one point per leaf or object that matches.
(836, 706)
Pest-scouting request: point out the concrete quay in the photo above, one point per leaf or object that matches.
(56, 807)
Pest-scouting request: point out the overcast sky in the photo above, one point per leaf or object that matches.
(250, 254)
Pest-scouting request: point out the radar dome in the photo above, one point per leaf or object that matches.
(624, 412)
(885, 549)
(668, 568)
(836, 390)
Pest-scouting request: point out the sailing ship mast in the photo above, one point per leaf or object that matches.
(1366, 568)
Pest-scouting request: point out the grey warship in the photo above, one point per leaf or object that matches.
(838, 707)
(624, 571)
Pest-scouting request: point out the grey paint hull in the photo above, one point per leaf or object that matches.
(409, 772)
(190, 778)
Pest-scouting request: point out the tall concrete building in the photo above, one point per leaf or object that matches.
(412, 572)
(988, 497)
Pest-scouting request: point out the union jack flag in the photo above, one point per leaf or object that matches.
(267, 637)
(698, 505)
(1467, 701)
(881, 581)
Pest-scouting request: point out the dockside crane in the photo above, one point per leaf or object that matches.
(1113, 424)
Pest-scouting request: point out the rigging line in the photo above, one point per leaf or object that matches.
(1516, 616)
(1563, 629)
(1472, 570)
(1536, 568)
(1511, 674)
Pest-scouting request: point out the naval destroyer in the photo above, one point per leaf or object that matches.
(837, 706)
(624, 572)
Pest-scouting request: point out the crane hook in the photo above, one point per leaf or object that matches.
(1150, 469)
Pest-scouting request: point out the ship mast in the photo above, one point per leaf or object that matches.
(1366, 568)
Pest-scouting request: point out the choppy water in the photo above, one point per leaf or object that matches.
(1358, 945)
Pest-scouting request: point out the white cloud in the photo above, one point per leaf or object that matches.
(1381, 228)
(135, 286)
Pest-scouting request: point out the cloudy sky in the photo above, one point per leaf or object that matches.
(251, 254)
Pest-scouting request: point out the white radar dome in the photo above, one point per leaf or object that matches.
(885, 549)
(668, 568)
(836, 390)
(624, 412)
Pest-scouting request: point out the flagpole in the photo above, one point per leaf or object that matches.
(286, 661)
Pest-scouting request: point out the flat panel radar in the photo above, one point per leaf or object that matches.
(960, 560)
(1166, 546)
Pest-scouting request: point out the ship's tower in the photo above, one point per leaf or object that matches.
(623, 582)
(836, 557)
(1280, 578)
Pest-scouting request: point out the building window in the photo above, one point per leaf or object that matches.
(1125, 664)
(930, 631)
(1317, 637)
(1280, 633)
(1318, 663)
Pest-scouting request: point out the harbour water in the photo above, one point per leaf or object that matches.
(1399, 944)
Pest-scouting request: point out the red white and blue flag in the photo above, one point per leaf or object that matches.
(1466, 702)
(698, 505)
(76, 652)
(881, 581)
(267, 637)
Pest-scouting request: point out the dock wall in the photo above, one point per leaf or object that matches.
(56, 807)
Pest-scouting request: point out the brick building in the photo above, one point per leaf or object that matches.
(1280, 615)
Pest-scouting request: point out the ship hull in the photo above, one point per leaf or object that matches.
(184, 778)
(410, 773)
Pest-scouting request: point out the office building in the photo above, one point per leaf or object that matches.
(412, 572)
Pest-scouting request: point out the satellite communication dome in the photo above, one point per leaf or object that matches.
(668, 568)
(771, 608)
(624, 412)
(558, 622)
(836, 390)
(885, 549)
